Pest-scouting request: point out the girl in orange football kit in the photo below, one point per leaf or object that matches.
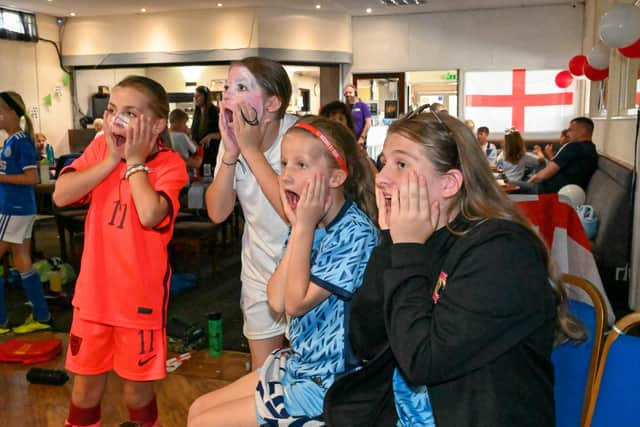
(119, 322)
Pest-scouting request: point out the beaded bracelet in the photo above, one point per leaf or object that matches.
(138, 167)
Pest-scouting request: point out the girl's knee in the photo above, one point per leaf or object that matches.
(197, 407)
(86, 396)
(138, 394)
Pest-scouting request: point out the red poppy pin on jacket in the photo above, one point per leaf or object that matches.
(440, 285)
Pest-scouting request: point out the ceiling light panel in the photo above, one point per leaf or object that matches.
(403, 2)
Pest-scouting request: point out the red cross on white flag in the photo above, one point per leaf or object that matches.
(528, 100)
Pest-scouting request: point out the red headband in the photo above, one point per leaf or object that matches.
(330, 148)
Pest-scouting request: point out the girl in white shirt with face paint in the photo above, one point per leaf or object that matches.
(252, 124)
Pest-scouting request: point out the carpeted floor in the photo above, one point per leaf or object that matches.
(217, 289)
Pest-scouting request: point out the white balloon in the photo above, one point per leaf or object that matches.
(599, 56)
(572, 194)
(620, 26)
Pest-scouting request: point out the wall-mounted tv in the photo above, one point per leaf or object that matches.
(391, 109)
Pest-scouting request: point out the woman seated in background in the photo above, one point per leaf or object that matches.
(459, 308)
(514, 159)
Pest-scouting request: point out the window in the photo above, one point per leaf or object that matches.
(629, 86)
(16, 25)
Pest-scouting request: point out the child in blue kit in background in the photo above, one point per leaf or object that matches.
(18, 209)
(326, 187)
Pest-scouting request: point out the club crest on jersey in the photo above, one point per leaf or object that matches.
(74, 344)
(440, 285)
(7, 152)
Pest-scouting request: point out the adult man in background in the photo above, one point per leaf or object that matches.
(360, 112)
(574, 163)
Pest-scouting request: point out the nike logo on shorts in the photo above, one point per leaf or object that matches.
(142, 362)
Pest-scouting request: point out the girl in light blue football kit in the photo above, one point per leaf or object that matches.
(326, 187)
(18, 209)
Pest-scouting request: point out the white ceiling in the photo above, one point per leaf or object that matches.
(351, 7)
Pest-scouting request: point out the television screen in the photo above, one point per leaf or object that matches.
(391, 109)
(373, 107)
(98, 105)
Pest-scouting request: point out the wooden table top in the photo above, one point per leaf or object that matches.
(509, 188)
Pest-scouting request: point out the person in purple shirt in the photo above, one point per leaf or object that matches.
(360, 112)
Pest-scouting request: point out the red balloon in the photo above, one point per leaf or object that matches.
(576, 65)
(564, 79)
(595, 73)
(631, 51)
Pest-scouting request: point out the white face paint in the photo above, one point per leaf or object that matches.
(243, 90)
(120, 120)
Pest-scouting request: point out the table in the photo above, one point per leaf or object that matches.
(509, 188)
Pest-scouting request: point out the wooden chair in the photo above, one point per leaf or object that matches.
(615, 397)
(575, 363)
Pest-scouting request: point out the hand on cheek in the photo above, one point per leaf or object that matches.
(229, 140)
(314, 202)
(413, 217)
(141, 140)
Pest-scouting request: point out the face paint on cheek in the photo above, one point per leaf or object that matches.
(257, 103)
(120, 120)
(250, 115)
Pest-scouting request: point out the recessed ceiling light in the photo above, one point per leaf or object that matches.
(219, 4)
(49, 1)
(368, 10)
(72, 14)
(143, 10)
(318, 6)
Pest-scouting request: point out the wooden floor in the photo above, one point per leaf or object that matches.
(24, 404)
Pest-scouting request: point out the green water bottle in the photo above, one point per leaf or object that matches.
(215, 333)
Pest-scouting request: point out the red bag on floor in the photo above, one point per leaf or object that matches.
(30, 351)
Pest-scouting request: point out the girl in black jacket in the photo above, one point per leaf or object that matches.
(455, 321)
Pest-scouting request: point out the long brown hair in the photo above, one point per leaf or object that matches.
(449, 144)
(203, 112)
(514, 148)
(17, 99)
(271, 77)
(157, 96)
(359, 185)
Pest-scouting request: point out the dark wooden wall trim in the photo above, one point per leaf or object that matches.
(373, 76)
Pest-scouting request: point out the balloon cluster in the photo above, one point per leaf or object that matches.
(619, 29)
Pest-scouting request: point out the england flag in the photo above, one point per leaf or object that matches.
(527, 100)
(560, 227)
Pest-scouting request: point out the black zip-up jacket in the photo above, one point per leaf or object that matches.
(483, 349)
